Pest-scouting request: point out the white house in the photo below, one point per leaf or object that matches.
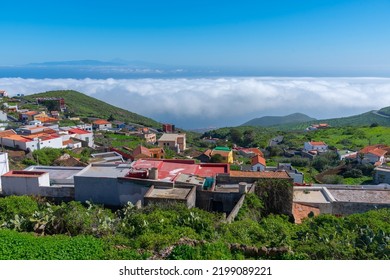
(173, 141)
(83, 135)
(3, 116)
(33, 142)
(373, 154)
(258, 163)
(315, 146)
(101, 125)
(4, 165)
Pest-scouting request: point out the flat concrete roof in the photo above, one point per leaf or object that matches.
(170, 136)
(190, 179)
(361, 195)
(57, 172)
(229, 187)
(105, 170)
(309, 196)
(171, 193)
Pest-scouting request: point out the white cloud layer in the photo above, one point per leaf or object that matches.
(203, 102)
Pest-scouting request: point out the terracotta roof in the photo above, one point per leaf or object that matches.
(67, 142)
(42, 136)
(30, 113)
(320, 143)
(141, 150)
(367, 149)
(18, 138)
(256, 151)
(46, 119)
(378, 152)
(6, 133)
(208, 152)
(301, 211)
(222, 153)
(261, 174)
(258, 159)
(155, 150)
(99, 122)
(78, 131)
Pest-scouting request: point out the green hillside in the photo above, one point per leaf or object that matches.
(83, 105)
(279, 120)
(385, 111)
(365, 119)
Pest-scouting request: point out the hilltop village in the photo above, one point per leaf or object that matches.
(49, 151)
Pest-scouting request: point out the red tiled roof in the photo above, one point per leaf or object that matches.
(46, 119)
(261, 174)
(18, 138)
(301, 211)
(367, 149)
(6, 133)
(78, 131)
(99, 122)
(378, 152)
(258, 159)
(67, 142)
(31, 113)
(256, 151)
(141, 150)
(320, 143)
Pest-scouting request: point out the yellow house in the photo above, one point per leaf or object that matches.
(225, 152)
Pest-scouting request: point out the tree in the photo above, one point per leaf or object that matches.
(236, 136)
(111, 118)
(217, 158)
(249, 137)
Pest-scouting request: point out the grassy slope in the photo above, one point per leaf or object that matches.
(364, 119)
(346, 138)
(86, 106)
(279, 120)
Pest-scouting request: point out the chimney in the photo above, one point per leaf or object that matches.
(242, 188)
(153, 173)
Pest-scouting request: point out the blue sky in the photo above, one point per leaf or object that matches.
(297, 35)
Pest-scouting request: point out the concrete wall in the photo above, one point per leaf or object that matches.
(382, 176)
(132, 191)
(52, 143)
(191, 198)
(237, 207)
(109, 191)
(39, 186)
(347, 208)
(217, 201)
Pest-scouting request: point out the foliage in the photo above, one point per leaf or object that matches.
(353, 173)
(251, 208)
(24, 246)
(46, 156)
(22, 206)
(332, 179)
(85, 106)
(71, 231)
(325, 160)
(216, 158)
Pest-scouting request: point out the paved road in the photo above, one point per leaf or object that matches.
(379, 114)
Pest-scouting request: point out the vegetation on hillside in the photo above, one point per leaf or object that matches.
(36, 229)
(81, 105)
(365, 119)
(279, 120)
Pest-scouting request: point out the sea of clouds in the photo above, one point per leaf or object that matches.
(204, 102)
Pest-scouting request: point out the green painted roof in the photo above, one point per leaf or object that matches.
(222, 149)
